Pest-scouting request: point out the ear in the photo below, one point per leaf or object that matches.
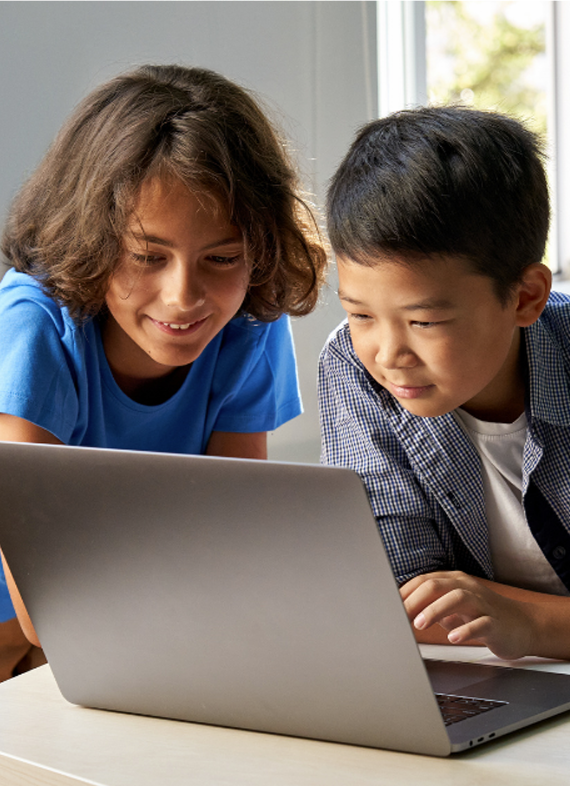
(532, 293)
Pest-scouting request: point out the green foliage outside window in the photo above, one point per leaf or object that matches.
(481, 54)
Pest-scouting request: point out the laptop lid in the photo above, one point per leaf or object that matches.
(241, 593)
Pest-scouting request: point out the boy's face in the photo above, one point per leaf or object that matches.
(435, 335)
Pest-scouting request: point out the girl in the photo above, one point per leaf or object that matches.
(153, 253)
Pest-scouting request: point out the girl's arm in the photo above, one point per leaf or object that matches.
(453, 607)
(21, 613)
(13, 429)
(235, 445)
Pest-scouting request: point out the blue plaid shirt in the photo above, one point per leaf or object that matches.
(423, 475)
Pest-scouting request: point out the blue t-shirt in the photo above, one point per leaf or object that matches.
(54, 373)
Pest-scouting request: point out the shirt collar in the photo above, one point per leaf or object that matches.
(548, 379)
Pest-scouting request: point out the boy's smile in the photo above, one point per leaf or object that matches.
(435, 335)
(183, 277)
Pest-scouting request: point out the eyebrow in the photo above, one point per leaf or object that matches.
(432, 304)
(160, 241)
(348, 299)
(429, 305)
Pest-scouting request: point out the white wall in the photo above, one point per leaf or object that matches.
(312, 62)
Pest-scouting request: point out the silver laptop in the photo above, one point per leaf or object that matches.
(240, 593)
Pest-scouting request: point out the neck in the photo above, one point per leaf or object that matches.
(503, 400)
(135, 372)
(151, 391)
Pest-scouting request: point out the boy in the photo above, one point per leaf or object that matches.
(448, 387)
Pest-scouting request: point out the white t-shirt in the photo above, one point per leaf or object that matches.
(516, 556)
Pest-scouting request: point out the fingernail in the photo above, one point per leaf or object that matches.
(453, 637)
(420, 621)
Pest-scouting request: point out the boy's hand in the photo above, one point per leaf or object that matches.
(471, 612)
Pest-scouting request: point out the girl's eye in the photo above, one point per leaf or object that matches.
(225, 261)
(359, 317)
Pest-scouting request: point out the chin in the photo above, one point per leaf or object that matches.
(427, 411)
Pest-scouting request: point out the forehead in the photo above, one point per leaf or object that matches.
(159, 196)
(397, 280)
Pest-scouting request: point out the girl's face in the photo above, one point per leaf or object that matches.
(182, 278)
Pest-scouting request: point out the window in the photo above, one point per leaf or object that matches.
(498, 56)
(511, 56)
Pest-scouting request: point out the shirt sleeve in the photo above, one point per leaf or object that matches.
(256, 379)
(355, 434)
(36, 376)
(6, 608)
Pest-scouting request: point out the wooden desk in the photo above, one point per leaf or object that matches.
(45, 740)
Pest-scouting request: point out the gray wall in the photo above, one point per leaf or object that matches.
(313, 63)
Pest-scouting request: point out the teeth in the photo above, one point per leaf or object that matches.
(177, 327)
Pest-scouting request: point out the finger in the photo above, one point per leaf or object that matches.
(456, 602)
(481, 629)
(413, 584)
(431, 590)
(451, 622)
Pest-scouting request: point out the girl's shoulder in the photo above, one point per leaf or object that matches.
(21, 286)
(245, 330)
(21, 293)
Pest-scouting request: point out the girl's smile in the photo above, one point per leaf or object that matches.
(182, 278)
(179, 329)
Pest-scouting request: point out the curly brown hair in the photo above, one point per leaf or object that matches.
(66, 226)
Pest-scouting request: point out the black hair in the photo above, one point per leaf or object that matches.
(443, 181)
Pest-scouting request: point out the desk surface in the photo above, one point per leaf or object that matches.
(45, 740)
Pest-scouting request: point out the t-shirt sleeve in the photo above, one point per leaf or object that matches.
(6, 608)
(256, 377)
(36, 376)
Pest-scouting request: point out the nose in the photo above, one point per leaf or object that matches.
(393, 351)
(183, 287)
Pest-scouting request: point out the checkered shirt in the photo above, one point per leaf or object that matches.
(423, 475)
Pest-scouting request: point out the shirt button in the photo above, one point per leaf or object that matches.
(559, 552)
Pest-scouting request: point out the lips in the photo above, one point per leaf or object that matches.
(408, 391)
(178, 328)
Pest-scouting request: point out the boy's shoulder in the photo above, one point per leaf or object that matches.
(548, 356)
(553, 327)
(341, 369)
(338, 345)
(557, 309)
(338, 356)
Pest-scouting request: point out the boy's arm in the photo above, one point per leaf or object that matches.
(13, 429)
(453, 607)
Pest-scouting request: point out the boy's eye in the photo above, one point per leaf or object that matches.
(425, 324)
(221, 261)
(359, 317)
